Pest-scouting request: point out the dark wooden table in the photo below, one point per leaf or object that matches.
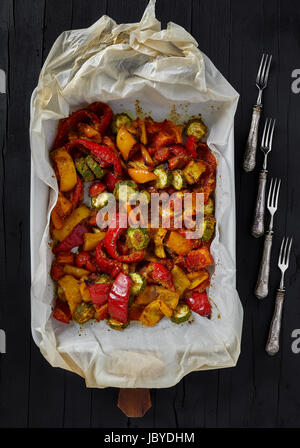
(259, 392)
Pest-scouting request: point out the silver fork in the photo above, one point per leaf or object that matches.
(261, 83)
(266, 146)
(262, 285)
(272, 346)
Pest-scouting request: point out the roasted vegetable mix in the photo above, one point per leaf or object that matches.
(129, 270)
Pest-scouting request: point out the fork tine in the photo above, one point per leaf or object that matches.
(288, 254)
(285, 250)
(281, 251)
(273, 193)
(267, 133)
(264, 133)
(261, 78)
(266, 76)
(259, 70)
(277, 194)
(269, 203)
(272, 133)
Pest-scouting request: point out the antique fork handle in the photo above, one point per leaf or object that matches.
(251, 145)
(262, 285)
(259, 214)
(272, 346)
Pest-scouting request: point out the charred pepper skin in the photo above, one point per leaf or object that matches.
(160, 274)
(67, 124)
(102, 153)
(104, 114)
(76, 193)
(110, 241)
(111, 267)
(74, 239)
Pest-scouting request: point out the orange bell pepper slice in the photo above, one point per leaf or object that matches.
(66, 169)
(141, 176)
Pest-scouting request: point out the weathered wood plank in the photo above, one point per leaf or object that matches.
(23, 43)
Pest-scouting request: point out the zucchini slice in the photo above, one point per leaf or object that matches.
(138, 283)
(101, 200)
(84, 170)
(84, 312)
(196, 128)
(164, 175)
(178, 180)
(209, 228)
(94, 167)
(138, 237)
(125, 190)
(182, 313)
(119, 121)
(116, 325)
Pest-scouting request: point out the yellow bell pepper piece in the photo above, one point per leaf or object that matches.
(62, 208)
(90, 240)
(155, 292)
(143, 135)
(152, 314)
(193, 171)
(165, 309)
(158, 241)
(70, 286)
(66, 169)
(84, 290)
(196, 278)
(180, 279)
(148, 295)
(178, 243)
(76, 272)
(125, 142)
(77, 215)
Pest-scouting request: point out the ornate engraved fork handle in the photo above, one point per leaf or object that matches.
(262, 285)
(272, 346)
(251, 145)
(259, 214)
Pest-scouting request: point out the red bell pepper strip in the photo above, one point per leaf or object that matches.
(83, 259)
(67, 124)
(111, 179)
(74, 239)
(178, 161)
(96, 188)
(163, 139)
(178, 150)
(160, 274)
(104, 113)
(57, 271)
(101, 153)
(162, 154)
(198, 259)
(111, 267)
(205, 154)
(76, 193)
(199, 303)
(191, 146)
(99, 293)
(62, 312)
(111, 239)
(118, 298)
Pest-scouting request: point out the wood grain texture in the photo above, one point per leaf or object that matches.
(259, 392)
